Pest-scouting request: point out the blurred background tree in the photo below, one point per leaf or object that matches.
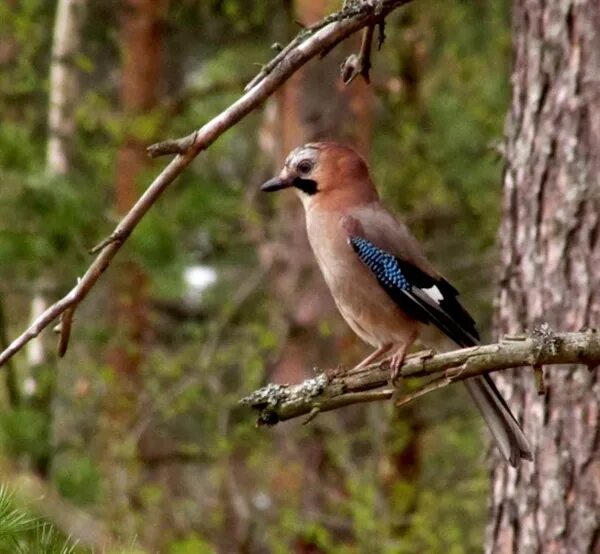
(138, 426)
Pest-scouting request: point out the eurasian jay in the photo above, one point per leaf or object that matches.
(382, 283)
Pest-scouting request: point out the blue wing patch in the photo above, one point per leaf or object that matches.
(411, 287)
(383, 265)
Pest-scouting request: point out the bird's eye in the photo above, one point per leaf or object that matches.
(304, 166)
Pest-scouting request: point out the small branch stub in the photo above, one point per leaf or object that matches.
(540, 385)
(66, 323)
(269, 397)
(172, 146)
(360, 64)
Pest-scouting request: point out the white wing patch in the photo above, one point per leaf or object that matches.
(434, 293)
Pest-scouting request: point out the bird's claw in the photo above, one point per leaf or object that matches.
(395, 365)
(333, 372)
(396, 379)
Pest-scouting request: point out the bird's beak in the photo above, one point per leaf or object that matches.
(277, 183)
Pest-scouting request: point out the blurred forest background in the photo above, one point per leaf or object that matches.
(136, 437)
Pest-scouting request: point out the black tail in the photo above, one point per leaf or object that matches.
(502, 424)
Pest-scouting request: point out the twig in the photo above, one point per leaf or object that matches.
(115, 236)
(323, 35)
(66, 321)
(350, 10)
(365, 52)
(540, 385)
(381, 33)
(355, 65)
(434, 384)
(177, 146)
(328, 392)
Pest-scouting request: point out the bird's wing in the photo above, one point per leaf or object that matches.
(392, 254)
(388, 249)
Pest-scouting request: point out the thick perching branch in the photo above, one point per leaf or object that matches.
(331, 390)
(317, 39)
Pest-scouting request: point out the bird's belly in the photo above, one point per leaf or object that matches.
(365, 306)
(363, 303)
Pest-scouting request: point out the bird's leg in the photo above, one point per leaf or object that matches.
(373, 356)
(396, 363)
(398, 358)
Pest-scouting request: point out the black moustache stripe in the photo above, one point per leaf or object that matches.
(306, 185)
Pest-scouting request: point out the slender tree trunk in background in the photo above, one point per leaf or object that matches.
(142, 26)
(313, 105)
(405, 460)
(64, 85)
(63, 96)
(13, 389)
(63, 92)
(142, 29)
(550, 240)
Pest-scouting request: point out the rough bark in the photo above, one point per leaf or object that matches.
(550, 271)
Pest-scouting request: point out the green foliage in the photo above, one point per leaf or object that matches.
(21, 533)
(25, 431)
(33, 237)
(22, 86)
(13, 522)
(441, 84)
(443, 117)
(191, 545)
(77, 478)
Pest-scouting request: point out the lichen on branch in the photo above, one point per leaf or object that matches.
(333, 389)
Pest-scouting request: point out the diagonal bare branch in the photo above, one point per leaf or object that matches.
(334, 389)
(319, 38)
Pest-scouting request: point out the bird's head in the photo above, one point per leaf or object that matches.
(325, 174)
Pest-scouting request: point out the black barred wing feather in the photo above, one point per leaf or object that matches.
(427, 299)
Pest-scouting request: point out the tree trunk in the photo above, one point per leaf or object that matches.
(142, 30)
(63, 91)
(63, 94)
(313, 105)
(551, 273)
(64, 85)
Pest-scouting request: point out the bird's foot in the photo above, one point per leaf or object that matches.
(372, 358)
(398, 357)
(396, 378)
(396, 362)
(333, 372)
